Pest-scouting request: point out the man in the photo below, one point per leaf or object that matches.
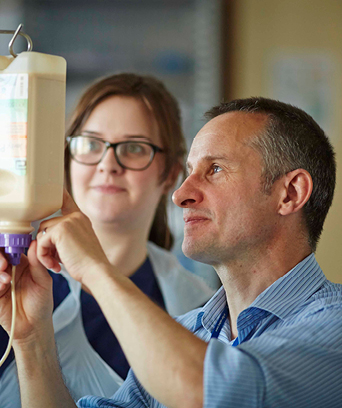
(261, 180)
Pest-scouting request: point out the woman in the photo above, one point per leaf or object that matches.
(125, 150)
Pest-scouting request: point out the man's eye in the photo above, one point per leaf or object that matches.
(216, 168)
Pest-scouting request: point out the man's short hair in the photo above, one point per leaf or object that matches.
(292, 140)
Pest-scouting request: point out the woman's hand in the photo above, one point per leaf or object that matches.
(33, 296)
(71, 240)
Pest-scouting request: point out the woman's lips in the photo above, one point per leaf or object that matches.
(108, 189)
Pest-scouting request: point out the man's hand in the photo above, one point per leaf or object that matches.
(71, 240)
(41, 383)
(33, 296)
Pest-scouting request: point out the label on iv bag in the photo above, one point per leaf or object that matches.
(13, 122)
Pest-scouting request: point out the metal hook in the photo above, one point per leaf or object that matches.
(15, 35)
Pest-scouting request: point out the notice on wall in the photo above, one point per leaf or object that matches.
(306, 81)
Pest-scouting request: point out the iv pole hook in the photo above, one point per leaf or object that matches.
(15, 35)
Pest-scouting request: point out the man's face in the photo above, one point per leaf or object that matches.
(227, 216)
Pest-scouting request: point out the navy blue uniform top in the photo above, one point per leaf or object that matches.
(98, 331)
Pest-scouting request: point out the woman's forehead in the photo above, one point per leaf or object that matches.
(120, 115)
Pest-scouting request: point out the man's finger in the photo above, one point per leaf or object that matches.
(3, 262)
(69, 206)
(5, 280)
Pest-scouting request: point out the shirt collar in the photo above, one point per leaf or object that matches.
(211, 310)
(292, 289)
(280, 299)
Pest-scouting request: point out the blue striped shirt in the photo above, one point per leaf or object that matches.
(288, 352)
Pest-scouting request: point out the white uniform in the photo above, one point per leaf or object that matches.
(84, 371)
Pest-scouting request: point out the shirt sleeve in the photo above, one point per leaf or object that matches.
(231, 378)
(298, 364)
(130, 395)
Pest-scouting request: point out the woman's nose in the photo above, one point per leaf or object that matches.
(188, 194)
(109, 162)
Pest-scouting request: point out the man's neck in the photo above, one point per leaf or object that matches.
(243, 281)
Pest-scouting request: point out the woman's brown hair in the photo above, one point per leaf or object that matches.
(167, 115)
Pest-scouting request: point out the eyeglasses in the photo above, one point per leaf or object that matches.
(130, 155)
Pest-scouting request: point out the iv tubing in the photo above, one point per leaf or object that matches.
(13, 317)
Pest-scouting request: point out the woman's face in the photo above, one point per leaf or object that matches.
(106, 192)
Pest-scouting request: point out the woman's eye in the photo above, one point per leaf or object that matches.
(82, 145)
(133, 149)
(93, 146)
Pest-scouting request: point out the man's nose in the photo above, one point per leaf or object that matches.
(188, 194)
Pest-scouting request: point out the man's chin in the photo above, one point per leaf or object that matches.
(196, 252)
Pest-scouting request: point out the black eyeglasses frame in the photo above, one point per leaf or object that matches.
(155, 149)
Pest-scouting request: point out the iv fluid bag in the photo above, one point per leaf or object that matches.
(32, 112)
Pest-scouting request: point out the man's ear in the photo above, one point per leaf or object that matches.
(172, 177)
(297, 189)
